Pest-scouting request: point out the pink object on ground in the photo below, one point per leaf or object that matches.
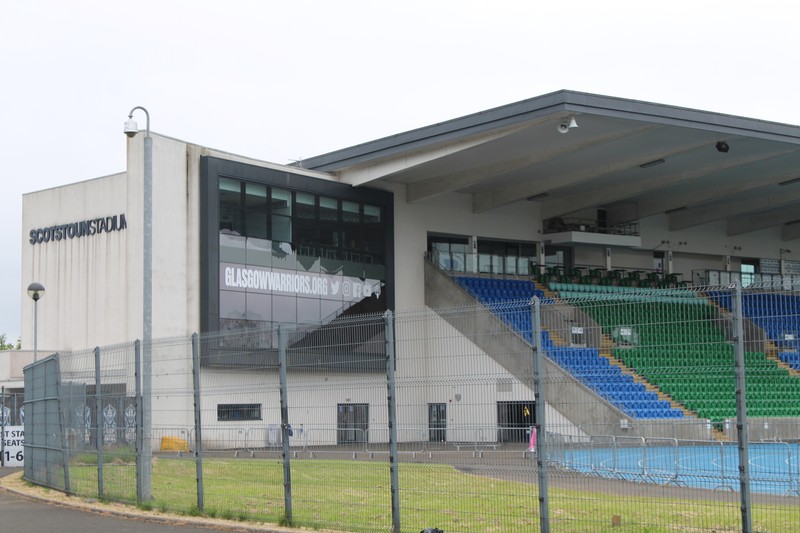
(532, 444)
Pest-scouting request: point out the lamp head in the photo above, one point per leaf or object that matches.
(35, 291)
(131, 128)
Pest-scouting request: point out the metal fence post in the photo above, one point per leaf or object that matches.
(741, 410)
(287, 469)
(539, 408)
(98, 416)
(137, 350)
(65, 453)
(392, 405)
(147, 420)
(198, 446)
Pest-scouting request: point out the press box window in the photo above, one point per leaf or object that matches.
(230, 206)
(238, 411)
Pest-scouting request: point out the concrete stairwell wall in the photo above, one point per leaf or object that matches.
(591, 413)
(578, 403)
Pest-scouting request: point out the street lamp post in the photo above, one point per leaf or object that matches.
(131, 129)
(35, 291)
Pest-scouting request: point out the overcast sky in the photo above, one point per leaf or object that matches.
(280, 81)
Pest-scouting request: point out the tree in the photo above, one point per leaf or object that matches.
(7, 345)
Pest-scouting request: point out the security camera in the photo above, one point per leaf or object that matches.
(131, 128)
(563, 127)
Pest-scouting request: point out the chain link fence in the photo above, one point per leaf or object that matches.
(562, 408)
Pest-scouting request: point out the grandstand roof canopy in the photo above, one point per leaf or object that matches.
(635, 159)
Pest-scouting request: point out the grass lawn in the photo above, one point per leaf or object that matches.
(355, 496)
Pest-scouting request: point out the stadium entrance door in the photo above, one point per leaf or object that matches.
(437, 422)
(514, 421)
(352, 423)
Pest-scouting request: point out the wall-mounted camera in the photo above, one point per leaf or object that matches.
(567, 125)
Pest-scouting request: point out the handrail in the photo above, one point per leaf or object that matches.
(724, 475)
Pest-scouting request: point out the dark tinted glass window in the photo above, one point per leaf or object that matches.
(238, 411)
(255, 201)
(230, 206)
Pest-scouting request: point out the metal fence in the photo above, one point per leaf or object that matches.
(585, 408)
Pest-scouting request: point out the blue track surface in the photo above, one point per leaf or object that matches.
(774, 467)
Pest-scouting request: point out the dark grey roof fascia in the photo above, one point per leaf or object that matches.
(494, 118)
(563, 101)
(680, 116)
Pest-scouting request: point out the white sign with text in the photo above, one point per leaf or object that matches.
(12, 450)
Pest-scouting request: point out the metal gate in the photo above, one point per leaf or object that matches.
(46, 460)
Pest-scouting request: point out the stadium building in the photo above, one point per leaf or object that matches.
(568, 188)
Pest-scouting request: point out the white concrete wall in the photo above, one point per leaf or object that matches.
(446, 369)
(436, 364)
(712, 241)
(94, 284)
(12, 363)
(87, 280)
(312, 400)
(448, 214)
